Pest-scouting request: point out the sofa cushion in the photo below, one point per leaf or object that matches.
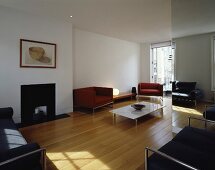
(10, 137)
(149, 85)
(198, 139)
(182, 152)
(149, 91)
(10, 141)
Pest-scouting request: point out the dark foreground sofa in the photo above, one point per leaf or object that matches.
(15, 152)
(191, 148)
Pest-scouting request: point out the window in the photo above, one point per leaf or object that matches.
(163, 64)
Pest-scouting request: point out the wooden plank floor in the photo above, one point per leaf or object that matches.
(86, 141)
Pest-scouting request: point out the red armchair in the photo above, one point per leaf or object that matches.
(150, 89)
(92, 97)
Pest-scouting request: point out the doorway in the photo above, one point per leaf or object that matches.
(163, 61)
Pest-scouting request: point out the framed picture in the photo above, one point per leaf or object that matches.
(37, 54)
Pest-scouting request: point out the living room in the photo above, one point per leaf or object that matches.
(102, 44)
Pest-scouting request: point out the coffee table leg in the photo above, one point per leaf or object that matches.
(114, 118)
(136, 122)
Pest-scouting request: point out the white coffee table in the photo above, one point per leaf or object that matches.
(131, 113)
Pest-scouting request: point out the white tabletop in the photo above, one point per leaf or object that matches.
(132, 113)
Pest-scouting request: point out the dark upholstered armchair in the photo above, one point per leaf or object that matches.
(185, 92)
(92, 97)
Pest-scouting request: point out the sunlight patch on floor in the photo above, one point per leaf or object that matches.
(186, 110)
(74, 160)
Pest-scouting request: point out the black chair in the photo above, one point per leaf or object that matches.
(185, 93)
(209, 113)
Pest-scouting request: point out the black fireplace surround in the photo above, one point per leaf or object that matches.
(37, 95)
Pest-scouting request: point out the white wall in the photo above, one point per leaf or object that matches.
(145, 61)
(193, 61)
(105, 61)
(15, 25)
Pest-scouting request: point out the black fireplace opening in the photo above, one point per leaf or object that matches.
(37, 103)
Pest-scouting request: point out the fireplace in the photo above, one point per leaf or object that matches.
(37, 103)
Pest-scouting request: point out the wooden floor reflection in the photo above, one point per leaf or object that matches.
(93, 141)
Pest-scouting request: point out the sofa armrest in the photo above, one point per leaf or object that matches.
(160, 87)
(84, 97)
(6, 113)
(26, 157)
(195, 93)
(139, 88)
(104, 91)
(164, 155)
(173, 86)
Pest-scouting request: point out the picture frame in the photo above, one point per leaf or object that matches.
(36, 54)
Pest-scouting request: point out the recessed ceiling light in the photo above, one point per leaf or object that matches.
(70, 16)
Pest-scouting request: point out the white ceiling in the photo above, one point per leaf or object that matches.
(191, 17)
(132, 20)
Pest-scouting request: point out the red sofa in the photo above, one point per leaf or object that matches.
(92, 97)
(150, 89)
